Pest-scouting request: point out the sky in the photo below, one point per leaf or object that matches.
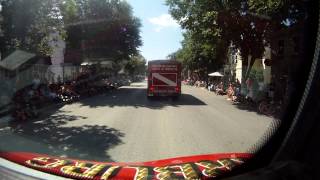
(161, 35)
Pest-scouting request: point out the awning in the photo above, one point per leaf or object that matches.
(108, 64)
(87, 63)
(215, 74)
(16, 59)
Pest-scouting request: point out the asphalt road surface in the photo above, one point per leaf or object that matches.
(124, 126)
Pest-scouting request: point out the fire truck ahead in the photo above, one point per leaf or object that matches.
(164, 78)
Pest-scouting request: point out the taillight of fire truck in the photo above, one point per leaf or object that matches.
(177, 89)
(151, 89)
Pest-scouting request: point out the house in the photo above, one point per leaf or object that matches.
(260, 72)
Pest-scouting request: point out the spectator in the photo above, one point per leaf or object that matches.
(230, 92)
(249, 83)
(16, 86)
(271, 91)
(211, 86)
(47, 93)
(19, 112)
(219, 90)
(202, 84)
(36, 81)
(237, 87)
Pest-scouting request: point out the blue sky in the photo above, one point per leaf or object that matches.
(160, 34)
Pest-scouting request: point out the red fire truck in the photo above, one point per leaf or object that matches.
(164, 78)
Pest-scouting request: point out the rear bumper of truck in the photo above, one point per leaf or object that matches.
(163, 94)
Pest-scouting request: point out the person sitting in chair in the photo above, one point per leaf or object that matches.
(219, 90)
(230, 92)
(211, 87)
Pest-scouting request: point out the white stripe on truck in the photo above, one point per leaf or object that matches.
(164, 79)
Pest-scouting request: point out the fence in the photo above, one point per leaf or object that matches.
(15, 80)
(20, 78)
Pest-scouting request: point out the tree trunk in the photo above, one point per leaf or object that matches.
(206, 77)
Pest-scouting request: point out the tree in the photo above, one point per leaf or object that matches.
(220, 22)
(246, 24)
(198, 54)
(27, 25)
(69, 11)
(206, 49)
(136, 65)
(101, 29)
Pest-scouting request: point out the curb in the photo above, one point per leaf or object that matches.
(4, 121)
(5, 116)
(4, 113)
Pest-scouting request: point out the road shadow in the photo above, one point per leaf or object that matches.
(254, 108)
(246, 107)
(47, 135)
(137, 97)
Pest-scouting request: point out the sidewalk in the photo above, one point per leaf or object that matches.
(4, 120)
(5, 115)
(4, 110)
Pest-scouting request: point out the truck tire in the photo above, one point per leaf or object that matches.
(175, 98)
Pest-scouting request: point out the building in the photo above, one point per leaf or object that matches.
(279, 61)
(18, 70)
(260, 72)
(58, 46)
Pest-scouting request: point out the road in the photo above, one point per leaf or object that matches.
(124, 126)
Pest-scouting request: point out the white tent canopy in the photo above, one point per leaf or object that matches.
(215, 74)
(86, 63)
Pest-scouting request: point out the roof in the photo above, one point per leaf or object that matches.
(16, 59)
(163, 62)
(106, 64)
(86, 63)
(215, 74)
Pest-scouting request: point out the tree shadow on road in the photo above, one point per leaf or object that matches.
(137, 97)
(47, 135)
(254, 108)
(250, 108)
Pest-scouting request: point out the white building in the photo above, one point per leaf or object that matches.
(260, 70)
(57, 58)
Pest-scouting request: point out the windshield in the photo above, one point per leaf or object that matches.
(136, 81)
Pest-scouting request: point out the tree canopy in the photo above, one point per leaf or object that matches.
(101, 29)
(92, 29)
(27, 24)
(136, 65)
(247, 24)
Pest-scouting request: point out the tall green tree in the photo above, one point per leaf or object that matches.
(198, 54)
(247, 24)
(101, 29)
(27, 25)
(136, 65)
